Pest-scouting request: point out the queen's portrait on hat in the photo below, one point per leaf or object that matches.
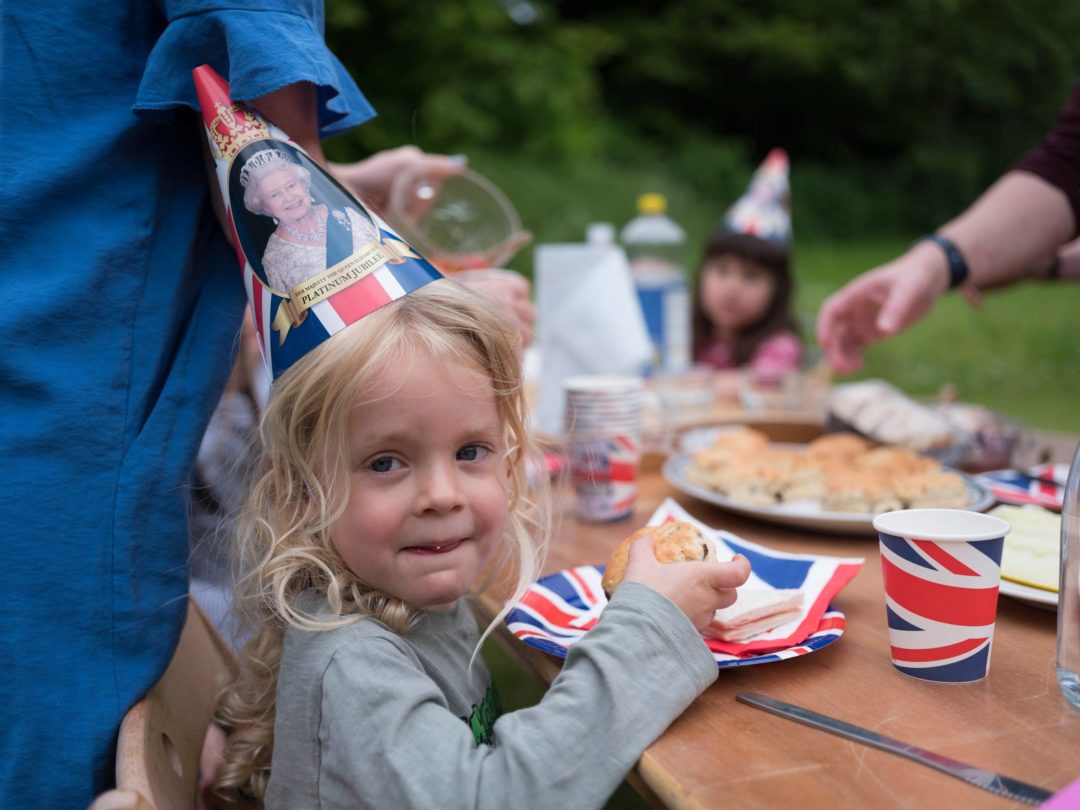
(310, 236)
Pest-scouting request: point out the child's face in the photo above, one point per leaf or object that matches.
(735, 292)
(428, 485)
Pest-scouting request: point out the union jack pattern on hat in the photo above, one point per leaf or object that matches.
(347, 265)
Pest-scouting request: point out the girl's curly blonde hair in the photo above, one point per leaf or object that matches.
(301, 489)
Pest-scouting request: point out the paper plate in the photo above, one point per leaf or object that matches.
(1042, 485)
(802, 514)
(1033, 596)
(560, 608)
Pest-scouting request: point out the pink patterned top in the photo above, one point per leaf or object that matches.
(779, 353)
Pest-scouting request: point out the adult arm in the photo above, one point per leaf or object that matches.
(1013, 231)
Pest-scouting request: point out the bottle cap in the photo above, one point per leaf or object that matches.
(651, 204)
(600, 233)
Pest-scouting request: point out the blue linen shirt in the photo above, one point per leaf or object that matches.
(121, 304)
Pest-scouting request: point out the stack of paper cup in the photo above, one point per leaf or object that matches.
(603, 441)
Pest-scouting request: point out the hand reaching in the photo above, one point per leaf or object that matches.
(699, 589)
(879, 303)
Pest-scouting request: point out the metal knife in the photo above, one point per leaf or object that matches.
(988, 780)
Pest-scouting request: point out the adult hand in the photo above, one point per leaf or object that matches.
(880, 302)
(373, 178)
(698, 589)
(509, 290)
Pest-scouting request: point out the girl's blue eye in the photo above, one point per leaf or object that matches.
(471, 452)
(383, 464)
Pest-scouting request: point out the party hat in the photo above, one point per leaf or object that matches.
(765, 209)
(314, 258)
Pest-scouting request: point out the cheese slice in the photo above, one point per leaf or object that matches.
(1033, 548)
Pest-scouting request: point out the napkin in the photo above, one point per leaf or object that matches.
(1068, 798)
(1042, 485)
(820, 578)
(589, 320)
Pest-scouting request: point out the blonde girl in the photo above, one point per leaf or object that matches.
(392, 479)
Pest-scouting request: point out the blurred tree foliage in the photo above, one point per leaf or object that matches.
(450, 75)
(896, 112)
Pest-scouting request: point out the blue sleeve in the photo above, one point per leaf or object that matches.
(259, 46)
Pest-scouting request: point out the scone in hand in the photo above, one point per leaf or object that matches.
(675, 541)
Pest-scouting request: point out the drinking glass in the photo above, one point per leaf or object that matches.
(459, 222)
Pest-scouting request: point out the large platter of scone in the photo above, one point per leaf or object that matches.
(837, 482)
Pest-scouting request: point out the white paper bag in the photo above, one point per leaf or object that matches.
(589, 320)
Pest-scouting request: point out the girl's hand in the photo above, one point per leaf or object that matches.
(699, 589)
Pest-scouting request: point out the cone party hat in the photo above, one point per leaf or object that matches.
(314, 258)
(764, 210)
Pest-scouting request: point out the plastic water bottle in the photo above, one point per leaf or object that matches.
(656, 247)
(1068, 616)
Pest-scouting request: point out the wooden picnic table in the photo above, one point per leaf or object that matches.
(721, 753)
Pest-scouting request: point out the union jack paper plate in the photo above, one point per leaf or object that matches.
(561, 607)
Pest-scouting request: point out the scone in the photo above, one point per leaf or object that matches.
(742, 440)
(837, 446)
(894, 460)
(675, 541)
(860, 493)
(933, 490)
(752, 482)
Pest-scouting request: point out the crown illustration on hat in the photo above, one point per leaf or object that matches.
(232, 128)
(764, 209)
(314, 258)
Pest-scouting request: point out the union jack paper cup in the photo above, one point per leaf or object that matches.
(941, 568)
(603, 442)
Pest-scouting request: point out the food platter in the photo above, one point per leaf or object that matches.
(803, 514)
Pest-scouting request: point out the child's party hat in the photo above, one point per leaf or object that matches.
(765, 209)
(314, 258)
